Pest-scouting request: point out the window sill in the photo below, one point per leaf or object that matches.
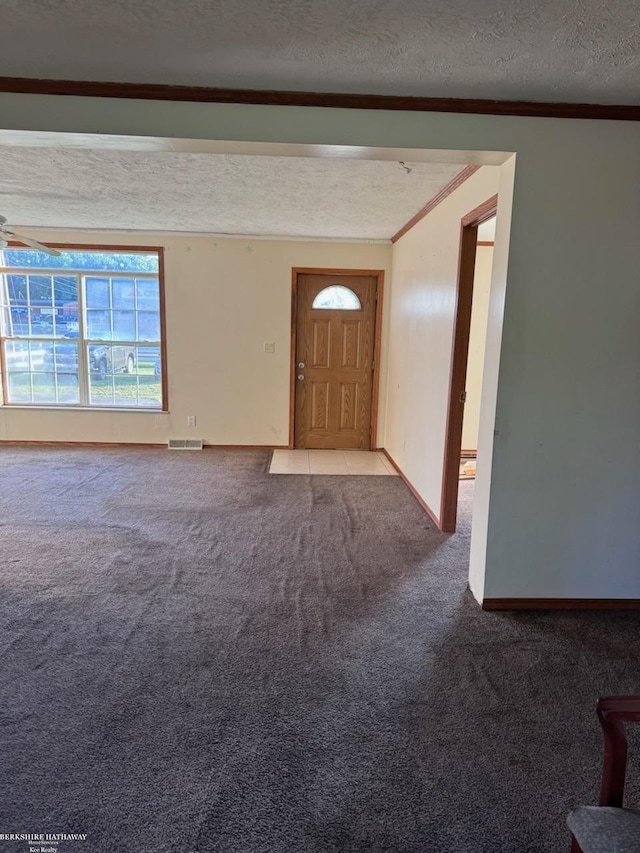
(35, 408)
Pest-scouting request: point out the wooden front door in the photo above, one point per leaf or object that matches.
(335, 332)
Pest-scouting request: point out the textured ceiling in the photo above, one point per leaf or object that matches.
(557, 50)
(214, 193)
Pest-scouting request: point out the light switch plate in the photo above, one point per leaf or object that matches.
(269, 346)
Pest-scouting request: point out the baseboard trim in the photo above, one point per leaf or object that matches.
(412, 489)
(561, 604)
(9, 442)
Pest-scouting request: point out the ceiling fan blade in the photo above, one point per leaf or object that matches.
(29, 241)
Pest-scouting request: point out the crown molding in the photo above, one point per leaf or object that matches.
(340, 100)
(453, 185)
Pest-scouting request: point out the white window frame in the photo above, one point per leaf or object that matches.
(82, 341)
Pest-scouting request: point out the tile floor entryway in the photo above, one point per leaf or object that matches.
(360, 462)
(468, 468)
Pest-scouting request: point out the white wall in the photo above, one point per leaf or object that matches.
(419, 347)
(563, 370)
(224, 299)
(477, 339)
(488, 430)
(568, 397)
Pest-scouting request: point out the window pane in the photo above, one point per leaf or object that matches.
(148, 361)
(17, 356)
(41, 372)
(18, 316)
(19, 322)
(42, 323)
(125, 376)
(17, 286)
(41, 357)
(65, 290)
(123, 293)
(148, 326)
(124, 326)
(68, 390)
(65, 301)
(78, 260)
(148, 294)
(66, 359)
(44, 388)
(19, 388)
(40, 292)
(40, 305)
(68, 328)
(97, 292)
(99, 325)
(337, 296)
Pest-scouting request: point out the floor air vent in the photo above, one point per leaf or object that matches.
(185, 444)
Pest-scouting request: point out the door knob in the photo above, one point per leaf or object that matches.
(301, 364)
(300, 377)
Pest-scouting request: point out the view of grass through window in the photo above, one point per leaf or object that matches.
(82, 329)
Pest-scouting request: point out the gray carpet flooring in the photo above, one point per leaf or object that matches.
(197, 656)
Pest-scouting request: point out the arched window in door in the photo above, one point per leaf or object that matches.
(337, 297)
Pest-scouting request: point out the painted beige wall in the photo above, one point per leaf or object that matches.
(477, 339)
(561, 363)
(225, 297)
(420, 340)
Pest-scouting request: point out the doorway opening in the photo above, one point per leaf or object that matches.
(477, 345)
(335, 358)
(470, 332)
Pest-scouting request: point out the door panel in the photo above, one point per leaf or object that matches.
(321, 351)
(348, 406)
(319, 421)
(333, 391)
(351, 343)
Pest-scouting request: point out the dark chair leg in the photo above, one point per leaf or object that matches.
(575, 847)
